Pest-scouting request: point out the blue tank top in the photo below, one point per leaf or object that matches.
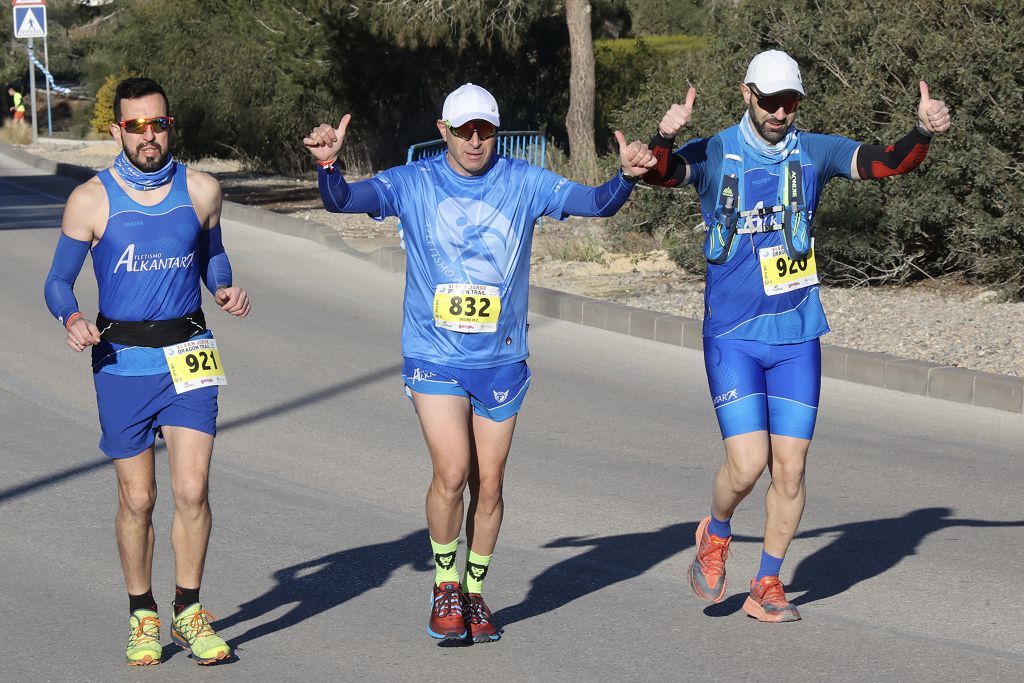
(145, 265)
(468, 232)
(736, 305)
(145, 262)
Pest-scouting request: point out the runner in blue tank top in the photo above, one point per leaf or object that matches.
(759, 183)
(153, 228)
(468, 218)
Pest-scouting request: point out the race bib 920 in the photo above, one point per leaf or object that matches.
(782, 274)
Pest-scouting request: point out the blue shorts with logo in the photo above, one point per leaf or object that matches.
(764, 387)
(496, 393)
(133, 408)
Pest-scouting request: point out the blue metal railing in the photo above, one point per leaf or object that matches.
(528, 145)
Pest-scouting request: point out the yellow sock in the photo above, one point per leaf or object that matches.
(444, 561)
(476, 570)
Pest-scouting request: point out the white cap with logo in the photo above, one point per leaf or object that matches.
(774, 71)
(470, 102)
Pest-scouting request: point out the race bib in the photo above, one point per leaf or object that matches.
(782, 274)
(194, 364)
(467, 308)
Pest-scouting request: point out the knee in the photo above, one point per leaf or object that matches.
(744, 474)
(191, 494)
(450, 483)
(788, 477)
(137, 501)
(488, 495)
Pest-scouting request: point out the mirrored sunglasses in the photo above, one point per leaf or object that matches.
(137, 126)
(485, 129)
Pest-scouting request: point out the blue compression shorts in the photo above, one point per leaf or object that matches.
(764, 387)
(496, 393)
(132, 410)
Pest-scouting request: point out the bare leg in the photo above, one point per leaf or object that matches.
(189, 452)
(784, 502)
(445, 421)
(136, 494)
(746, 456)
(492, 441)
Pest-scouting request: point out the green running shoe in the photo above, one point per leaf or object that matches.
(192, 631)
(143, 639)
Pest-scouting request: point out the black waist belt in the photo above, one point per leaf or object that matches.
(151, 333)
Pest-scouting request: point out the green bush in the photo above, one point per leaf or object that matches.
(861, 63)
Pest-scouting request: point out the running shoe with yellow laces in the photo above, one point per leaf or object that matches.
(192, 631)
(447, 621)
(143, 639)
(767, 601)
(479, 621)
(707, 572)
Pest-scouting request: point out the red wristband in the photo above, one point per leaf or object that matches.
(327, 164)
(71, 319)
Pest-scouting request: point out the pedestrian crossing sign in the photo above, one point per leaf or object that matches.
(30, 20)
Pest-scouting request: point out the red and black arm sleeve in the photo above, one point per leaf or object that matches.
(877, 161)
(670, 170)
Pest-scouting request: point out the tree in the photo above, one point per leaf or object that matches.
(579, 121)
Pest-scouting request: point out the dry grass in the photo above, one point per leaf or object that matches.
(16, 132)
(581, 249)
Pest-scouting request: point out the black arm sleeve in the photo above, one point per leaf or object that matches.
(876, 161)
(670, 170)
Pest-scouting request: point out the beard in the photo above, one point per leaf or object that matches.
(135, 156)
(771, 136)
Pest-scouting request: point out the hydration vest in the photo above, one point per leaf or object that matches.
(722, 227)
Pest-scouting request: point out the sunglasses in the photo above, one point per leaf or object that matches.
(485, 129)
(771, 103)
(137, 126)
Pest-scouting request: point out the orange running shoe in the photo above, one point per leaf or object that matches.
(446, 619)
(707, 572)
(482, 628)
(767, 601)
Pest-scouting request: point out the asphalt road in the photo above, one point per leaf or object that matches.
(908, 564)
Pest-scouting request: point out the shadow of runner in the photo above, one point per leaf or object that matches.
(318, 585)
(610, 560)
(863, 550)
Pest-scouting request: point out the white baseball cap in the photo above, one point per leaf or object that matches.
(470, 102)
(774, 71)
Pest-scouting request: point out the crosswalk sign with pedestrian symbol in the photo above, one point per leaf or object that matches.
(30, 21)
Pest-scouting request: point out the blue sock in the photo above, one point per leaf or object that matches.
(720, 528)
(770, 566)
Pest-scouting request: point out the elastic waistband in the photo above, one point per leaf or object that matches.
(152, 333)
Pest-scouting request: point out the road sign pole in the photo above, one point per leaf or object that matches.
(32, 91)
(46, 63)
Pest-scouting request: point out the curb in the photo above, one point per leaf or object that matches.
(945, 382)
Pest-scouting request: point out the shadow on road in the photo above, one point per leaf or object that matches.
(318, 585)
(610, 560)
(860, 552)
(378, 375)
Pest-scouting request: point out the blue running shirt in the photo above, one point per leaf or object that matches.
(145, 265)
(736, 305)
(460, 231)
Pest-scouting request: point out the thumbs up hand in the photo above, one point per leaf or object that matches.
(678, 116)
(932, 115)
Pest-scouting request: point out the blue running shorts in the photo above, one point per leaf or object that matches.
(132, 410)
(764, 387)
(496, 393)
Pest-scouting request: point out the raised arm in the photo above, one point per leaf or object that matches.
(338, 196)
(606, 199)
(872, 162)
(671, 170)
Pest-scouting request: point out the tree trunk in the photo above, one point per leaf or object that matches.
(579, 122)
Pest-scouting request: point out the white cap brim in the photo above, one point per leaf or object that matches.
(772, 87)
(462, 118)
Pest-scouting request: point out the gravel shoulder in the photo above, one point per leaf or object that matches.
(940, 321)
